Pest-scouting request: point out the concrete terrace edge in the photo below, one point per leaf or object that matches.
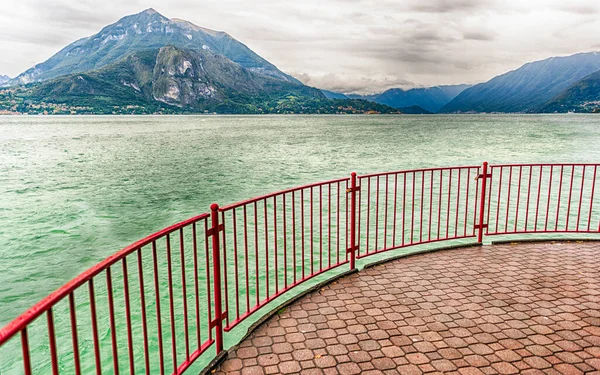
(222, 356)
(534, 240)
(420, 252)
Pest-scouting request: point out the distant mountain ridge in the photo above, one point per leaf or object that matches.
(146, 30)
(414, 110)
(528, 88)
(430, 99)
(4, 79)
(333, 94)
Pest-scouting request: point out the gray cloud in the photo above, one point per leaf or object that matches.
(448, 6)
(346, 45)
(354, 84)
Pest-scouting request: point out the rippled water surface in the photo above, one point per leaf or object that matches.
(73, 190)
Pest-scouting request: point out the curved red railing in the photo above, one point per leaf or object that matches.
(159, 304)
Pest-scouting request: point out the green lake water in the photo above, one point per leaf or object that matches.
(73, 190)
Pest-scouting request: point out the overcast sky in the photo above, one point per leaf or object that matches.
(343, 45)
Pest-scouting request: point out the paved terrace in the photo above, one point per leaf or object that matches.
(502, 309)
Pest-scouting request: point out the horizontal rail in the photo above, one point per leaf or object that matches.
(416, 170)
(282, 192)
(159, 304)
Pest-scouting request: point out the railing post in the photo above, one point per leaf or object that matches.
(484, 176)
(217, 323)
(353, 246)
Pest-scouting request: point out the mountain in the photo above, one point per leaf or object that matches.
(414, 110)
(174, 80)
(143, 31)
(527, 88)
(4, 79)
(333, 95)
(193, 79)
(582, 96)
(429, 98)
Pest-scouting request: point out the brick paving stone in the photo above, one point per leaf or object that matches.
(529, 308)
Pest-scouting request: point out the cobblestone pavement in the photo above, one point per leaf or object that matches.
(501, 309)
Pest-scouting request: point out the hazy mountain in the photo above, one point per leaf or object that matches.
(333, 94)
(414, 110)
(4, 79)
(429, 98)
(582, 96)
(143, 31)
(526, 88)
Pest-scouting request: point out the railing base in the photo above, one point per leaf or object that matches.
(215, 363)
(529, 240)
(424, 251)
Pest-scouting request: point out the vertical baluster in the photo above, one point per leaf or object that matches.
(458, 204)
(377, 215)
(549, 196)
(161, 355)
(385, 215)
(367, 227)
(275, 244)
(74, 337)
(518, 197)
(302, 230)
(94, 327)
(580, 196)
(26, 354)
(208, 281)
(421, 206)
(528, 198)
(329, 224)
(294, 233)
(395, 209)
(128, 316)
(235, 264)
(508, 201)
(246, 263)
(430, 205)
(143, 310)
(570, 196)
(440, 203)
(285, 256)
(412, 215)
(113, 326)
(52, 340)
(266, 248)
(312, 241)
(560, 183)
(256, 252)
(537, 207)
(171, 303)
(184, 295)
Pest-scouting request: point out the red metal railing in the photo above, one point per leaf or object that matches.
(159, 304)
(408, 208)
(542, 198)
